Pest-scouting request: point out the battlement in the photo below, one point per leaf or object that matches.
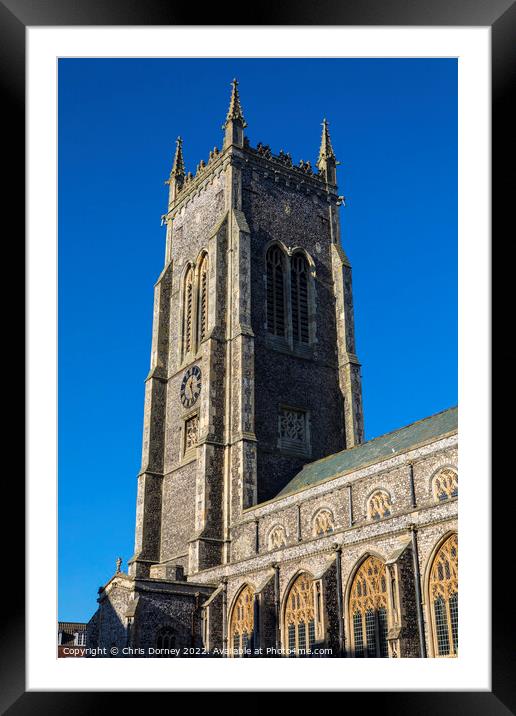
(323, 175)
(285, 160)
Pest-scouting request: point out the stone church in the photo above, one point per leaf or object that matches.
(265, 525)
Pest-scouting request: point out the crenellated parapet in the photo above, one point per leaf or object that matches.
(202, 166)
(285, 160)
(237, 148)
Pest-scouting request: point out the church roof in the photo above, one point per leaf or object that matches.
(71, 627)
(381, 448)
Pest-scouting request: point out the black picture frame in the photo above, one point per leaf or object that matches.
(15, 17)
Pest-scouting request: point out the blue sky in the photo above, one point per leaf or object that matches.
(394, 128)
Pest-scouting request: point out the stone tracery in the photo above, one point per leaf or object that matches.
(368, 609)
(444, 595)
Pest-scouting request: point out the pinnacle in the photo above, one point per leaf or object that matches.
(178, 168)
(326, 150)
(235, 108)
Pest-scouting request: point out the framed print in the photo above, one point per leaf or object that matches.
(303, 206)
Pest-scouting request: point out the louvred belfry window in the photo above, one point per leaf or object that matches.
(187, 312)
(444, 598)
(368, 609)
(299, 298)
(203, 298)
(275, 292)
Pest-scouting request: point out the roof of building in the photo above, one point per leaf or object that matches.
(380, 448)
(71, 627)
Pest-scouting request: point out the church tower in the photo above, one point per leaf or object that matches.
(253, 369)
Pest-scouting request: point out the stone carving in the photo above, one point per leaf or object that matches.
(200, 167)
(306, 167)
(264, 150)
(445, 485)
(285, 158)
(292, 426)
(214, 153)
(191, 429)
(379, 505)
(277, 538)
(323, 523)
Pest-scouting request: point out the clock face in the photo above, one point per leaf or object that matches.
(191, 386)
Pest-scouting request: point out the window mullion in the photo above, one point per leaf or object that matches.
(298, 302)
(274, 311)
(451, 651)
(377, 633)
(287, 281)
(364, 634)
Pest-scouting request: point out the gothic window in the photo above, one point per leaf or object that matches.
(379, 505)
(203, 299)
(242, 622)
(299, 298)
(276, 291)
(289, 298)
(323, 523)
(300, 616)
(293, 430)
(188, 312)
(444, 596)
(277, 537)
(191, 430)
(445, 484)
(368, 609)
(165, 641)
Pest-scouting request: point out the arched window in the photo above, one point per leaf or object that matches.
(277, 537)
(322, 523)
(165, 641)
(202, 318)
(299, 298)
(379, 505)
(445, 484)
(188, 312)
(242, 622)
(300, 616)
(444, 598)
(275, 291)
(368, 609)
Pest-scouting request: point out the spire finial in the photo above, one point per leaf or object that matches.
(178, 168)
(235, 108)
(326, 150)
